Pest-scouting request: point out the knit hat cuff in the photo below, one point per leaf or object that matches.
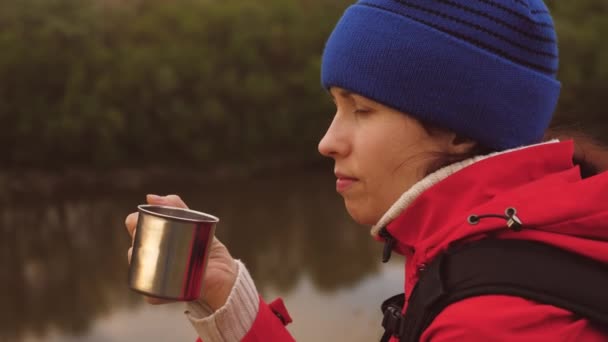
(438, 78)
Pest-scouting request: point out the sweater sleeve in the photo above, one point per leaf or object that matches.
(244, 317)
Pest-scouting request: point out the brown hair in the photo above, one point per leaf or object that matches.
(589, 153)
(443, 159)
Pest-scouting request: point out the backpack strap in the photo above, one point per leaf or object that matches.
(393, 319)
(527, 269)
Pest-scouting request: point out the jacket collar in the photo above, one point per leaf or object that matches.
(429, 181)
(427, 214)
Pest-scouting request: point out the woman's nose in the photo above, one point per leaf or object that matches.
(334, 143)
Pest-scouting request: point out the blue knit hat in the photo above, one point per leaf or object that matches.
(484, 69)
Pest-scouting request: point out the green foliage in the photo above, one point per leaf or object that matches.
(108, 83)
(582, 26)
(160, 81)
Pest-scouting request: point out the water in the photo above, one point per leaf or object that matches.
(63, 261)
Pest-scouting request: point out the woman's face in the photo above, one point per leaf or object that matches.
(379, 153)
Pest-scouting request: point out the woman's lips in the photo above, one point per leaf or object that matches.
(344, 183)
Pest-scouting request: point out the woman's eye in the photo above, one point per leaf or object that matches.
(360, 111)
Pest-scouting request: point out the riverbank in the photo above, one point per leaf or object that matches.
(43, 184)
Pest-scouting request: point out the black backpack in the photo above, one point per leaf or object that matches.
(527, 269)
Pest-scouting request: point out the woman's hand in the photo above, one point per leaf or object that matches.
(221, 271)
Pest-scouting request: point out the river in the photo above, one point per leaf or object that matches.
(64, 265)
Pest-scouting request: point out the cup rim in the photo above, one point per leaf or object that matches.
(205, 218)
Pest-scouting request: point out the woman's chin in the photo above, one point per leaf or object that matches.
(361, 214)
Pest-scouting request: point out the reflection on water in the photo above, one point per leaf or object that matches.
(64, 261)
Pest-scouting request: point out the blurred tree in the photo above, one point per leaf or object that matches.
(107, 83)
(582, 27)
(185, 81)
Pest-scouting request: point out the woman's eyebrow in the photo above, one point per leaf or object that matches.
(345, 93)
(342, 93)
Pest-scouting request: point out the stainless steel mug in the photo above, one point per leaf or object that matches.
(170, 252)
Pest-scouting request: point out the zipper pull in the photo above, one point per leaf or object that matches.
(389, 244)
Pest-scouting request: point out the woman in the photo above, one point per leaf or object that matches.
(441, 108)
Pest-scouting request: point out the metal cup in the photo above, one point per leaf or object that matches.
(170, 252)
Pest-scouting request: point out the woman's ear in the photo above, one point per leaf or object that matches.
(456, 144)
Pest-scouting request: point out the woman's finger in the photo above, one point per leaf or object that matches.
(169, 200)
(131, 223)
(156, 301)
(176, 201)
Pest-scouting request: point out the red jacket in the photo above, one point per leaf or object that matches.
(555, 205)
